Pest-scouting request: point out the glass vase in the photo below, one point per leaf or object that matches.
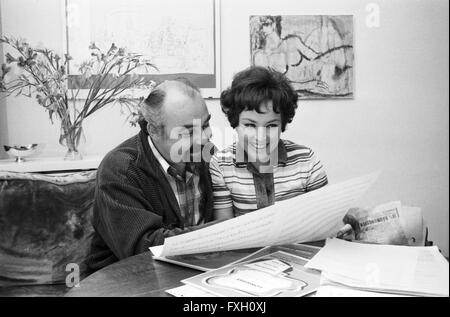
(71, 137)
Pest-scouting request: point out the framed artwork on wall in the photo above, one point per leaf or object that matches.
(172, 34)
(314, 51)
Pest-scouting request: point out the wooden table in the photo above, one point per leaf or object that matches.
(138, 275)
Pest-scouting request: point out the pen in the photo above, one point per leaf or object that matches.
(344, 230)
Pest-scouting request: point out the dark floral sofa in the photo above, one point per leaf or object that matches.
(45, 225)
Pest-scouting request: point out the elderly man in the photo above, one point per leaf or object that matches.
(155, 184)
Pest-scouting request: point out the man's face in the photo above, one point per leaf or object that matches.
(186, 129)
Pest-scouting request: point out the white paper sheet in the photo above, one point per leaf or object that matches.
(156, 250)
(188, 291)
(309, 217)
(413, 225)
(337, 291)
(384, 268)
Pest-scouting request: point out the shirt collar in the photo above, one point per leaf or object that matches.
(282, 155)
(162, 161)
(191, 168)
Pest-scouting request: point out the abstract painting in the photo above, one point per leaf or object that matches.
(315, 52)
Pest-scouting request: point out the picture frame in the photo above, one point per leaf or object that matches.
(315, 52)
(185, 47)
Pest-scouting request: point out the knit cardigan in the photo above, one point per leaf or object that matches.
(135, 206)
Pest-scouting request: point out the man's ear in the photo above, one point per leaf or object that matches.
(155, 133)
(152, 132)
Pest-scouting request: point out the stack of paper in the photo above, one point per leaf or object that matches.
(417, 271)
(331, 290)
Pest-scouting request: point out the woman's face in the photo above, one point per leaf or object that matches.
(268, 27)
(259, 133)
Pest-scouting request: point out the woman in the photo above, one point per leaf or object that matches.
(260, 168)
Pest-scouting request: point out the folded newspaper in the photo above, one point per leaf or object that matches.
(389, 223)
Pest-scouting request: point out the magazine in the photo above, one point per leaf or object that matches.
(206, 261)
(214, 260)
(277, 274)
(306, 251)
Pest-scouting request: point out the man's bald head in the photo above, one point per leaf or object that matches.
(179, 85)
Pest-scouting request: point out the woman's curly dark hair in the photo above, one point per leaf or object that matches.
(254, 86)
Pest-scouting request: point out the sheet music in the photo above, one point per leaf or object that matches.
(317, 215)
(247, 231)
(312, 216)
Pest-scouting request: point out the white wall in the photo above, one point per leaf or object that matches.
(3, 122)
(396, 123)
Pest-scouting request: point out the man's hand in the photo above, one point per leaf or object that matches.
(351, 229)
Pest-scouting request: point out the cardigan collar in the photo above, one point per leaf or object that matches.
(147, 161)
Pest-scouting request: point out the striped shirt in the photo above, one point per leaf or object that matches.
(239, 185)
(186, 188)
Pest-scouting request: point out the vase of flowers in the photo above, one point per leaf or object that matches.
(70, 137)
(40, 73)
